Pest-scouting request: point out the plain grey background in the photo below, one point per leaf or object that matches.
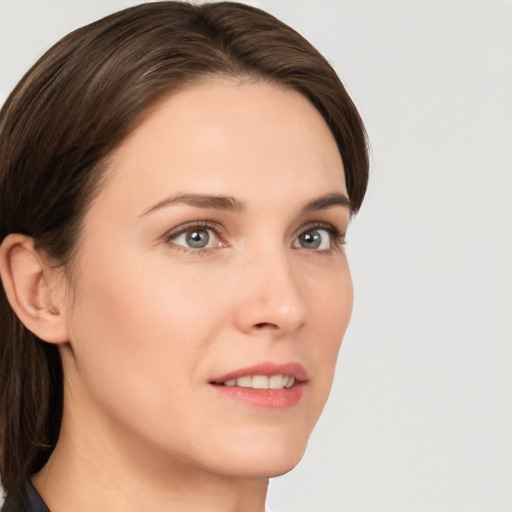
(420, 418)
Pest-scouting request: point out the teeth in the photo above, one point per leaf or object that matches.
(290, 382)
(275, 382)
(244, 382)
(262, 382)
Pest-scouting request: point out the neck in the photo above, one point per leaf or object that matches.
(91, 470)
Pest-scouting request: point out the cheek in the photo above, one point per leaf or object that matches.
(137, 309)
(139, 328)
(332, 300)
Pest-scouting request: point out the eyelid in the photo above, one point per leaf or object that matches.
(338, 237)
(320, 225)
(189, 226)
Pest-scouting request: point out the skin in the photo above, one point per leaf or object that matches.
(150, 322)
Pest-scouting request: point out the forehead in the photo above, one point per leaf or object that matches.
(244, 139)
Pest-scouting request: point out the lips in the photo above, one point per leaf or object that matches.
(265, 385)
(293, 371)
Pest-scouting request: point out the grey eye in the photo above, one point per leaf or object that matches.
(314, 239)
(196, 238)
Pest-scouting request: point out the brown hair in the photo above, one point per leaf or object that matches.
(72, 108)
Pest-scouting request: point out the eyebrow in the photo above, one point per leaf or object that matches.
(200, 201)
(232, 204)
(328, 201)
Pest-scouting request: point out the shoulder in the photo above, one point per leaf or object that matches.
(34, 502)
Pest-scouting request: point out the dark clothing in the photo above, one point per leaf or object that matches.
(34, 503)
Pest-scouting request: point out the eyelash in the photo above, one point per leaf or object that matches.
(338, 240)
(337, 237)
(191, 226)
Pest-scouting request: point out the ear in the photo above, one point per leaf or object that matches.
(33, 289)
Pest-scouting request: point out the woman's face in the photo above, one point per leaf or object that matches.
(212, 260)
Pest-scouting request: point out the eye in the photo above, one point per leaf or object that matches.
(318, 238)
(196, 237)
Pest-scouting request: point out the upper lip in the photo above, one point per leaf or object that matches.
(267, 368)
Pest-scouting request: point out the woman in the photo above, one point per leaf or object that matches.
(175, 185)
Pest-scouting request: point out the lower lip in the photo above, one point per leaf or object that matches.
(264, 398)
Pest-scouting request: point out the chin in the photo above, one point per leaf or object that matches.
(257, 467)
(264, 456)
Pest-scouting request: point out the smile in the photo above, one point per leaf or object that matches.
(261, 382)
(266, 385)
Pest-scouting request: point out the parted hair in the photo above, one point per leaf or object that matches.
(73, 108)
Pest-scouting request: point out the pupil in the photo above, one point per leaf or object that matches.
(198, 239)
(311, 240)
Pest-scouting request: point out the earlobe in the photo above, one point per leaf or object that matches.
(30, 288)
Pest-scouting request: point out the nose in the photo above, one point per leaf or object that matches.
(271, 297)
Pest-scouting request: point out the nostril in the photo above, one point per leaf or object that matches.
(266, 325)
